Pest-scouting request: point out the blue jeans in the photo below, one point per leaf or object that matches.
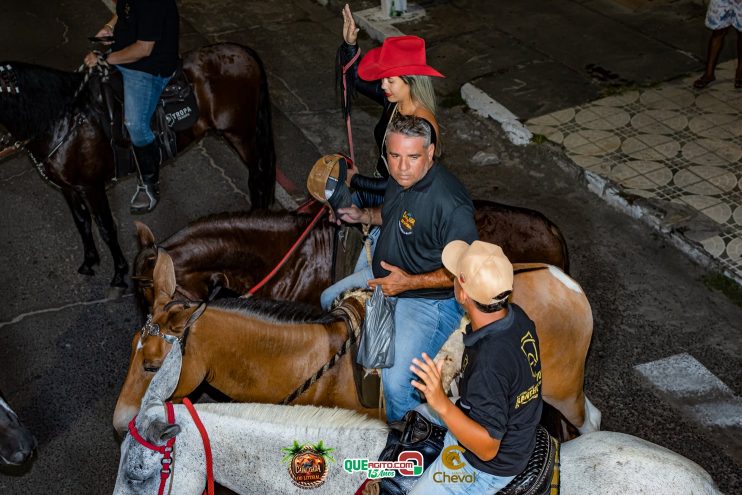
(431, 483)
(420, 325)
(358, 279)
(141, 93)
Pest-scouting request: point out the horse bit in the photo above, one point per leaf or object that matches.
(153, 329)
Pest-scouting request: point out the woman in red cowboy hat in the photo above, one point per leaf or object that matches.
(395, 75)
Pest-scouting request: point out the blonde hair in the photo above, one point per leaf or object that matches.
(423, 94)
(421, 91)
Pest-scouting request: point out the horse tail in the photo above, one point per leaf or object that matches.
(265, 147)
(562, 241)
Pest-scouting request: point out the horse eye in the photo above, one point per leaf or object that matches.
(151, 369)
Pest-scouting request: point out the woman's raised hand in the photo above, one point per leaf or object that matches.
(350, 31)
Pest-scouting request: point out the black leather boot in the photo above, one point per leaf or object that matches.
(148, 191)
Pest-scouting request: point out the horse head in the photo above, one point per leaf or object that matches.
(140, 466)
(16, 442)
(166, 325)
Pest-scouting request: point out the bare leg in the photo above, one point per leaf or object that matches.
(716, 42)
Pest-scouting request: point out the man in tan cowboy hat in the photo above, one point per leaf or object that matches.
(495, 419)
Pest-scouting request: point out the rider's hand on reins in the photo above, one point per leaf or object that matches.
(94, 58)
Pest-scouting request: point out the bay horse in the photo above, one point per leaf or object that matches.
(70, 149)
(246, 442)
(244, 247)
(255, 351)
(16, 442)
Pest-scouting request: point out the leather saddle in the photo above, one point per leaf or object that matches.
(541, 475)
(177, 110)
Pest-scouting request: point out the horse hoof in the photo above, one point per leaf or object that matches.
(86, 270)
(115, 293)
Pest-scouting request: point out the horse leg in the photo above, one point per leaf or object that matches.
(81, 216)
(101, 209)
(260, 182)
(579, 411)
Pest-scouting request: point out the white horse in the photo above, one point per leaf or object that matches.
(247, 439)
(243, 460)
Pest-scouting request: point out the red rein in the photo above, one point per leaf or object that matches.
(288, 254)
(167, 449)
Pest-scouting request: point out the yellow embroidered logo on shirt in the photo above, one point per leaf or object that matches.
(406, 223)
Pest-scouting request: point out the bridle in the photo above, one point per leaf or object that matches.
(9, 82)
(168, 450)
(153, 329)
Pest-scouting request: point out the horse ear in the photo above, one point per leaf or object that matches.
(145, 237)
(165, 381)
(218, 281)
(160, 432)
(164, 275)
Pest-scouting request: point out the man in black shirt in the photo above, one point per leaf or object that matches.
(425, 207)
(494, 421)
(145, 50)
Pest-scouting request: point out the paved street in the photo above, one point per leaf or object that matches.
(660, 321)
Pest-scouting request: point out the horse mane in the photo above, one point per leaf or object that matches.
(296, 416)
(275, 311)
(44, 95)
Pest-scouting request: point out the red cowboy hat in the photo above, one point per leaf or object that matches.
(397, 56)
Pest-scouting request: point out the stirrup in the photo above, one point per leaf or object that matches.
(150, 193)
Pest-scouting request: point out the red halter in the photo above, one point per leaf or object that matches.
(167, 449)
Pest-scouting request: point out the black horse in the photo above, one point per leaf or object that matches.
(62, 118)
(16, 442)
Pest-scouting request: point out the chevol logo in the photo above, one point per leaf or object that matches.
(408, 463)
(451, 457)
(308, 465)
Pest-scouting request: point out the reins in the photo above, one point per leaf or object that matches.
(288, 254)
(348, 126)
(353, 321)
(207, 446)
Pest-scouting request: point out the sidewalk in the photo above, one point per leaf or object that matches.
(669, 155)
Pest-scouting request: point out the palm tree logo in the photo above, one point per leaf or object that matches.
(308, 463)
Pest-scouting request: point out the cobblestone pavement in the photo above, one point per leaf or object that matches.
(670, 143)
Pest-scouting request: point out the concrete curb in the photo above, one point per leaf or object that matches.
(637, 208)
(485, 105)
(379, 26)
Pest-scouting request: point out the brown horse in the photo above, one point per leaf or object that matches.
(61, 116)
(246, 246)
(254, 354)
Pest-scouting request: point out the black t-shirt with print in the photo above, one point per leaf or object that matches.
(419, 221)
(149, 20)
(500, 389)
